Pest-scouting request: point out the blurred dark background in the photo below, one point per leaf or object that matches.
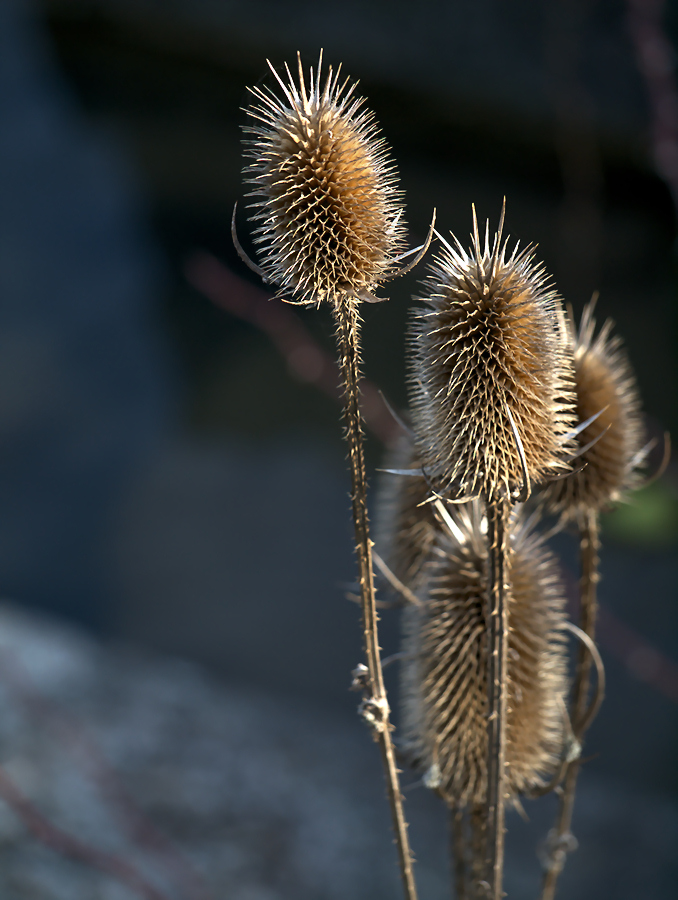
(164, 478)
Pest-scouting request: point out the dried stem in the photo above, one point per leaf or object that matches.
(560, 840)
(497, 516)
(375, 705)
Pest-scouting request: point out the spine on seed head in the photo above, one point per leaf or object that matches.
(444, 681)
(406, 526)
(327, 209)
(490, 376)
(609, 451)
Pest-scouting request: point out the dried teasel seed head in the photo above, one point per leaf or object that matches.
(328, 217)
(444, 681)
(605, 385)
(488, 355)
(405, 525)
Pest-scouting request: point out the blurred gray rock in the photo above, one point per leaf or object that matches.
(262, 797)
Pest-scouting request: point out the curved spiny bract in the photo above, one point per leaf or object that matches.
(445, 697)
(605, 384)
(329, 222)
(488, 347)
(406, 527)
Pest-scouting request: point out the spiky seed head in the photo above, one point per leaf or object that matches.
(328, 213)
(445, 703)
(487, 347)
(605, 384)
(405, 525)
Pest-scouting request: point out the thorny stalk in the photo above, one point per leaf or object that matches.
(375, 706)
(497, 517)
(560, 839)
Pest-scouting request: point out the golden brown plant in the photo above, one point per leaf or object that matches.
(331, 228)
(492, 406)
(610, 452)
(328, 214)
(445, 692)
(606, 388)
(487, 356)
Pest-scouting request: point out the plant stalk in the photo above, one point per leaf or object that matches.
(497, 517)
(375, 705)
(560, 838)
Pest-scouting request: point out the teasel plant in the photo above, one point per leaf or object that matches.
(608, 461)
(492, 408)
(329, 227)
(445, 675)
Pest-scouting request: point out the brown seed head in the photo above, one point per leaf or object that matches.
(489, 347)
(328, 214)
(445, 677)
(605, 384)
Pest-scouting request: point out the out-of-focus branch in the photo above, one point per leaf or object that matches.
(580, 218)
(306, 359)
(72, 847)
(560, 840)
(140, 829)
(655, 58)
(640, 657)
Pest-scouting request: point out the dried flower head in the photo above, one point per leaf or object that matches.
(328, 215)
(406, 527)
(612, 444)
(490, 378)
(445, 700)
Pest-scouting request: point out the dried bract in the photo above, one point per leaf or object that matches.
(327, 210)
(445, 703)
(605, 387)
(406, 527)
(488, 356)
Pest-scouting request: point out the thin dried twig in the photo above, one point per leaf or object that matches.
(599, 693)
(497, 517)
(375, 708)
(397, 585)
(560, 840)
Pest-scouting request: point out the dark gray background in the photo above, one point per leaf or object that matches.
(163, 479)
